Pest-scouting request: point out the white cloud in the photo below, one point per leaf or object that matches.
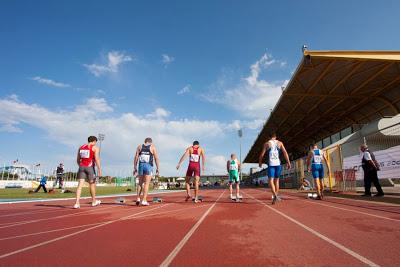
(167, 59)
(123, 132)
(186, 89)
(114, 60)
(252, 97)
(50, 82)
(159, 113)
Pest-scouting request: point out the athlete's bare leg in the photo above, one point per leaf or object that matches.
(188, 195)
(320, 186)
(92, 187)
(230, 188)
(272, 186)
(79, 190)
(147, 179)
(237, 190)
(276, 181)
(196, 186)
(139, 188)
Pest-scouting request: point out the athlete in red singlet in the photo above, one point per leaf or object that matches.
(87, 159)
(194, 152)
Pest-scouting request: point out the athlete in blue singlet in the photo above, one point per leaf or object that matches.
(145, 155)
(315, 164)
(274, 148)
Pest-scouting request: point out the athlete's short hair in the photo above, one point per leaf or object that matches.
(196, 143)
(233, 155)
(273, 134)
(148, 140)
(92, 139)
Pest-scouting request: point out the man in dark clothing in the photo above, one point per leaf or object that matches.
(43, 182)
(371, 168)
(60, 176)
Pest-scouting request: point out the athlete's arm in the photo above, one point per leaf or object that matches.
(260, 159)
(156, 159)
(203, 159)
(183, 157)
(239, 166)
(78, 158)
(309, 160)
(135, 161)
(286, 155)
(326, 161)
(96, 151)
(227, 166)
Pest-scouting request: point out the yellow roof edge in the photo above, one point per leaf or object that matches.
(346, 54)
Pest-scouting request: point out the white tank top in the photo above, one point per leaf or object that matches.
(317, 156)
(233, 166)
(273, 153)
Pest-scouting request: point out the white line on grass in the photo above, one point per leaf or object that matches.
(180, 245)
(327, 239)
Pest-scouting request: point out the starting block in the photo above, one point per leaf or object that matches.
(312, 195)
(239, 199)
(199, 198)
(157, 200)
(120, 200)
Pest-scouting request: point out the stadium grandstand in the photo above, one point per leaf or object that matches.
(339, 99)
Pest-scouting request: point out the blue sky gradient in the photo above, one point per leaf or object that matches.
(174, 70)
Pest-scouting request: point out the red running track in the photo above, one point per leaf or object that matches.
(216, 232)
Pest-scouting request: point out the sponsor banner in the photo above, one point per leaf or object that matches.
(388, 159)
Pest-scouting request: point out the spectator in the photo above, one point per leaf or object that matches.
(305, 184)
(371, 168)
(42, 183)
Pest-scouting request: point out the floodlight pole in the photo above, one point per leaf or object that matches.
(101, 138)
(240, 133)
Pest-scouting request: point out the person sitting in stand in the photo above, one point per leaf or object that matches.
(305, 185)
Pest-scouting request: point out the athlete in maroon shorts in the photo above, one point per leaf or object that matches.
(194, 152)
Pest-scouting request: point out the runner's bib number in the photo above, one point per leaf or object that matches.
(84, 153)
(144, 158)
(234, 166)
(317, 159)
(194, 158)
(274, 155)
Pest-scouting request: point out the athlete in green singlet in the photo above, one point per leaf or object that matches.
(233, 167)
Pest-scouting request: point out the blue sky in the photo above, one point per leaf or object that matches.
(174, 70)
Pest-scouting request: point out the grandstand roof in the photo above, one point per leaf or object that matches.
(330, 91)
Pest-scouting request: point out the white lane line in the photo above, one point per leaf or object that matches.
(93, 210)
(180, 245)
(325, 238)
(32, 212)
(73, 198)
(90, 224)
(351, 210)
(74, 233)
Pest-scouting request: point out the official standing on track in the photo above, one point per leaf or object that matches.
(145, 155)
(371, 168)
(274, 147)
(87, 158)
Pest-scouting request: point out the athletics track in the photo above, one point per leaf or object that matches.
(216, 232)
